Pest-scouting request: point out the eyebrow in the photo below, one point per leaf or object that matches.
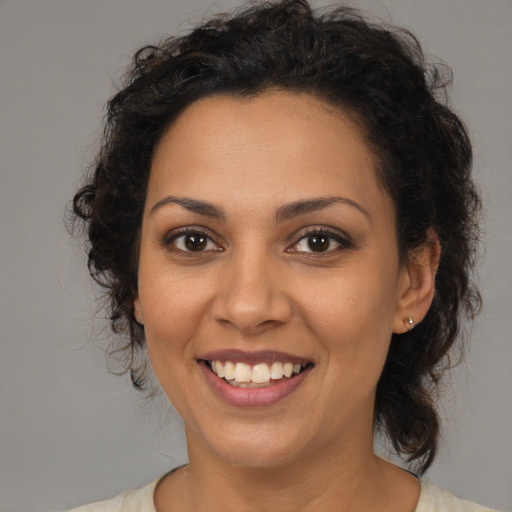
(306, 206)
(283, 213)
(194, 205)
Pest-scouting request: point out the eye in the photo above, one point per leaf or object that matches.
(320, 241)
(190, 241)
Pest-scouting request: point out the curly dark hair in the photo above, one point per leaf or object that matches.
(375, 72)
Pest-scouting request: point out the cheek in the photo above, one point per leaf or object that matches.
(354, 334)
(171, 305)
(173, 312)
(357, 301)
(170, 322)
(352, 316)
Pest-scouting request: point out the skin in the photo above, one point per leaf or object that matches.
(258, 285)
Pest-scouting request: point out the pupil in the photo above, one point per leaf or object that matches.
(318, 243)
(195, 242)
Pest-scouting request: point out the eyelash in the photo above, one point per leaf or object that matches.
(343, 241)
(170, 239)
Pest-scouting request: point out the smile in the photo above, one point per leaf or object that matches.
(244, 375)
(254, 379)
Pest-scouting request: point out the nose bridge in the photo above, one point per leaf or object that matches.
(250, 296)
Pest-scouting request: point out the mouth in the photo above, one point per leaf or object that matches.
(257, 379)
(243, 375)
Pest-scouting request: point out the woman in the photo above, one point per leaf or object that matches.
(282, 214)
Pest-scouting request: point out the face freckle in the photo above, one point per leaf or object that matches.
(266, 230)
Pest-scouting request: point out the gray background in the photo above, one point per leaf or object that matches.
(71, 433)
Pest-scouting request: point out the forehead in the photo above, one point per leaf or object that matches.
(290, 113)
(275, 144)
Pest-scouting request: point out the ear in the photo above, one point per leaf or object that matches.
(137, 310)
(417, 284)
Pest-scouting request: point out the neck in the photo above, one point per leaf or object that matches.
(330, 479)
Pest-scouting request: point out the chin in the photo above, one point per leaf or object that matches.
(255, 457)
(257, 450)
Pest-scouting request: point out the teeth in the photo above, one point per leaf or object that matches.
(260, 373)
(245, 375)
(220, 369)
(243, 372)
(229, 370)
(277, 371)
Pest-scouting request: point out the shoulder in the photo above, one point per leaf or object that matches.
(133, 500)
(435, 499)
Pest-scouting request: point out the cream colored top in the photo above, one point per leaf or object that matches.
(432, 499)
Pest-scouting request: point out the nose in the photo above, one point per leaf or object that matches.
(251, 295)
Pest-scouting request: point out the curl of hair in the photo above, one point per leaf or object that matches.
(376, 73)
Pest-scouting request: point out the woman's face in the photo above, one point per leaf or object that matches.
(267, 242)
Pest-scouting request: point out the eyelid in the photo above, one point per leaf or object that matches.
(335, 234)
(172, 235)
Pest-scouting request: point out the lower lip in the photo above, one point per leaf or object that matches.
(252, 397)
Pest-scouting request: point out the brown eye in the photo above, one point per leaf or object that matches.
(319, 243)
(191, 241)
(195, 241)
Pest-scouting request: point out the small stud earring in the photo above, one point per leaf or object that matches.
(410, 322)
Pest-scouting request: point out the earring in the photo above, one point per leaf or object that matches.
(409, 321)
(139, 314)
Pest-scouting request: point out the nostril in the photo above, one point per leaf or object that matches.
(269, 322)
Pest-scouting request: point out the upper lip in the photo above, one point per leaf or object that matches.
(252, 358)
